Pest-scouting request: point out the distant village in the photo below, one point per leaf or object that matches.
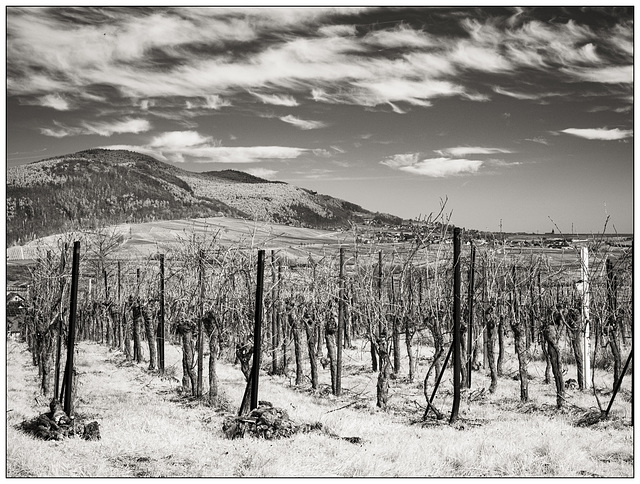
(373, 232)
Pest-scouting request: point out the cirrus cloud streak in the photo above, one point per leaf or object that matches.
(599, 133)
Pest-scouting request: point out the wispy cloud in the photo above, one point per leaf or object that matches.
(401, 36)
(481, 58)
(201, 57)
(212, 101)
(400, 160)
(599, 133)
(177, 140)
(181, 146)
(338, 30)
(432, 167)
(471, 150)
(518, 95)
(338, 67)
(44, 55)
(443, 167)
(54, 101)
(99, 128)
(276, 99)
(302, 123)
(539, 140)
(606, 75)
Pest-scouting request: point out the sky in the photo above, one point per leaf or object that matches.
(518, 119)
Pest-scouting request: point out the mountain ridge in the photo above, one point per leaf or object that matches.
(99, 187)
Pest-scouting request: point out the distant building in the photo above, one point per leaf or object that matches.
(15, 314)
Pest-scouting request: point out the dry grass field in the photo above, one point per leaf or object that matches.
(149, 429)
(140, 240)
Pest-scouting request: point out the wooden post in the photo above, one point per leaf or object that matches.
(340, 342)
(59, 339)
(485, 359)
(470, 306)
(108, 333)
(200, 324)
(73, 306)
(612, 303)
(381, 318)
(106, 284)
(257, 336)
(282, 323)
(456, 325)
(584, 265)
(532, 315)
(119, 284)
(161, 318)
(59, 342)
(274, 317)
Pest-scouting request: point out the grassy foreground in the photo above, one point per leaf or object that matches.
(150, 430)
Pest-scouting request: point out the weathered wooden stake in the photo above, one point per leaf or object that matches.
(584, 258)
(470, 306)
(485, 359)
(59, 342)
(257, 335)
(200, 324)
(380, 331)
(340, 341)
(119, 284)
(274, 317)
(73, 306)
(161, 318)
(456, 325)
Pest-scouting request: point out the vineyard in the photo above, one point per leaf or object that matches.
(420, 313)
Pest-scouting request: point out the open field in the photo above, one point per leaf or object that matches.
(143, 239)
(150, 430)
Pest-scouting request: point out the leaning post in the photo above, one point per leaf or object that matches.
(73, 306)
(456, 325)
(257, 334)
(59, 339)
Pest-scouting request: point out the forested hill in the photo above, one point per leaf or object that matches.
(104, 187)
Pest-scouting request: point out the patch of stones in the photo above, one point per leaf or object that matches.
(269, 422)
